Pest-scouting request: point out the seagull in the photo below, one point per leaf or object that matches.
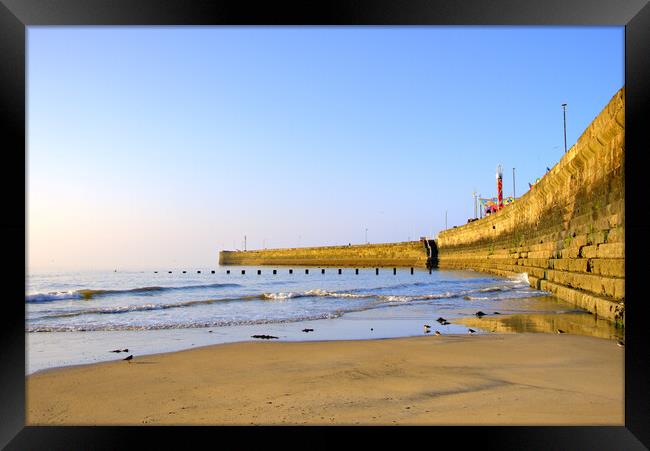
(115, 350)
(560, 331)
(445, 323)
(471, 331)
(496, 313)
(480, 313)
(441, 319)
(426, 326)
(620, 344)
(438, 333)
(129, 358)
(308, 330)
(125, 350)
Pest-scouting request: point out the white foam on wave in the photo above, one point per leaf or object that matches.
(522, 277)
(476, 298)
(280, 296)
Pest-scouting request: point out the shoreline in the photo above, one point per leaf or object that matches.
(535, 314)
(452, 379)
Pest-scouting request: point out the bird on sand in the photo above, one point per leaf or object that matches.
(308, 330)
(125, 350)
(438, 333)
(115, 350)
(426, 326)
(620, 344)
(480, 313)
(560, 331)
(441, 319)
(471, 331)
(129, 358)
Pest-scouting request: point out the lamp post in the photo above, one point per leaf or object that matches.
(564, 110)
(474, 196)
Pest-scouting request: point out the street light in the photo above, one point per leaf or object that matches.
(564, 109)
(474, 195)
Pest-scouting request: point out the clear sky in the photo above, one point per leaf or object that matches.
(156, 147)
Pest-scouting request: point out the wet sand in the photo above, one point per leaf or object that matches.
(486, 379)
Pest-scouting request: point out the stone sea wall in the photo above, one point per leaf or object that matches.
(409, 254)
(568, 231)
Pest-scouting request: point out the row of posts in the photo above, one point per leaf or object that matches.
(275, 271)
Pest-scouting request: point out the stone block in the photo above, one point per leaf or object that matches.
(598, 237)
(571, 252)
(589, 251)
(616, 235)
(615, 220)
(611, 267)
(611, 250)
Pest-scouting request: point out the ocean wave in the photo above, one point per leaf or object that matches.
(143, 307)
(90, 293)
(314, 293)
(52, 296)
(476, 298)
(377, 299)
(180, 325)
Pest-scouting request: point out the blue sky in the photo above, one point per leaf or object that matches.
(154, 147)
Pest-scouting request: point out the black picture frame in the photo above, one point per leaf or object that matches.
(16, 15)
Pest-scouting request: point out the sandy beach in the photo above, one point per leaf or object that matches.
(494, 379)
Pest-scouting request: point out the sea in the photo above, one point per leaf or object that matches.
(74, 318)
